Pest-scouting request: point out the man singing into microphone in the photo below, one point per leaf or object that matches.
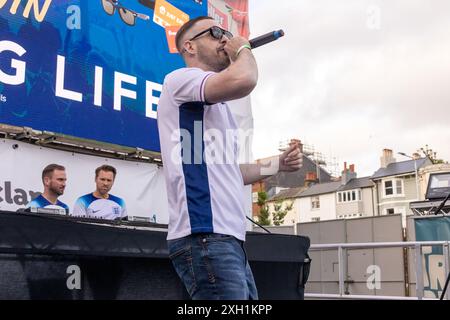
(206, 198)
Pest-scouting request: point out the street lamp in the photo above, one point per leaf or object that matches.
(415, 169)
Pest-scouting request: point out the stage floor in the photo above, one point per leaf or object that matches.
(52, 257)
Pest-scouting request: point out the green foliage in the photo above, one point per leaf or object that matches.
(280, 210)
(264, 214)
(279, 213)
(438, 161)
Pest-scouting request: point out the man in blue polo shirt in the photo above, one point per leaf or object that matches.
(54, 180)
(101, 204)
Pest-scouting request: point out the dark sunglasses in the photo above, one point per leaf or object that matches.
(216, 32)
(128, 16)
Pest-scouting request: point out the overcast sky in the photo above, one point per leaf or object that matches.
(352, 77)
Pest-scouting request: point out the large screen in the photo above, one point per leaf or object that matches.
(438, 185)
(89, 68)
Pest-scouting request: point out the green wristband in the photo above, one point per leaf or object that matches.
(245, 46)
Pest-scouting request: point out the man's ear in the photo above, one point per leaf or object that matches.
(46, 181)
(188, 47)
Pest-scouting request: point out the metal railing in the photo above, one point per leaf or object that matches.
(342, 267)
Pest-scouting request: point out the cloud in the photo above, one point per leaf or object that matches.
(353, 77)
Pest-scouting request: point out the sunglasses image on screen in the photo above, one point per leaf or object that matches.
(128, 16)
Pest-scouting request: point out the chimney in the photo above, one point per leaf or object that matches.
(348, 174)
(416, 156)
(386, 158)
(311, 177)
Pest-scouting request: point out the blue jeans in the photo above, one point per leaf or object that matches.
(213, 267)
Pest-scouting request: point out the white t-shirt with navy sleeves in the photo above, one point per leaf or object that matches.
(204, 196)
(92, 207)
(41, 202)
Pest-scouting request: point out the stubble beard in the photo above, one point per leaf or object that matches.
(56, 191)
(216, 63)
(103, 191)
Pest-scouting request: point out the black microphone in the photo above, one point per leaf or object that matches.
(266, 38)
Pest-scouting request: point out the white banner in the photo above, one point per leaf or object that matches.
(141, 185)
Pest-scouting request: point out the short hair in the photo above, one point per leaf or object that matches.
(185, 28)
(106, 168)
(48, 170)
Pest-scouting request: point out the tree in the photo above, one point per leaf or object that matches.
(263, 216)
(432, 155)
(280, 213)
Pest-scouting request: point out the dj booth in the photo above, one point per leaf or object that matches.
(45, 256)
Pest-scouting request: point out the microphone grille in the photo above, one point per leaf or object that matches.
(279, 33)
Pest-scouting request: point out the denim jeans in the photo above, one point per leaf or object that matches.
(213, 267)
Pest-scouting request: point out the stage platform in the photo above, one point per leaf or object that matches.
(41, 256)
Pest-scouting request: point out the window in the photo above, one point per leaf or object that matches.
(255, 197)
(349, 196)
(315, 203)
(350, 216)
(388, 190)
(393, 188)
(396, 210)
(399, 187)
(315, 219)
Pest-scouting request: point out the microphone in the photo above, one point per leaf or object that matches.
(266, 38)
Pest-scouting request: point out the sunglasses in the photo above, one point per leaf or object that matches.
(128, 16)
(216, 32)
